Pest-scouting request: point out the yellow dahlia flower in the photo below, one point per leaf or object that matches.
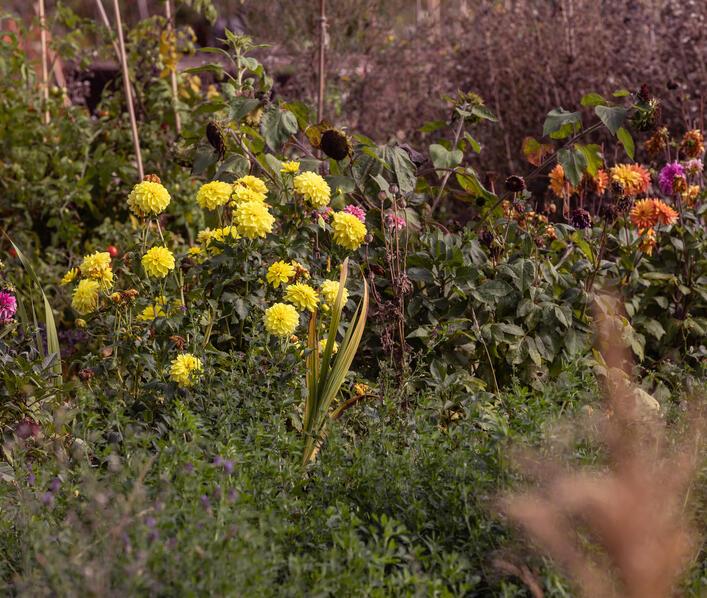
(291, 167)
(154, 310)
(224, 234)
(148, 198)
(647, 241)
(158, 261)
(254, 183)
(93, 265)
(85, 297)
(254, 219)
(214, 194)
(322, 345)
(281, 319)
(632, 178)
(302, 296)
(330, 290)
(241, 193)
(348, 231)
(280, 273)
(313, 188)
(185, 369)
(70, 276)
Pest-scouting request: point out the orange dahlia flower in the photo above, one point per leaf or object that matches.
(666, 214)
(647, 241)
(560, 186)
(644, 214)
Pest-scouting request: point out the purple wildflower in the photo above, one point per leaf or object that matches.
(228, 467)
(54, 485)
(360, 213)
(8, 306)
(666, 178)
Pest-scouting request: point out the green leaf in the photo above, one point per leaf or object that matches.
(534, 151)
(492, 290)
(399, 161)
(241, 107)
(559, 123)
(654, 328)
(475, 145)
(278, 126)
(574, 163)
(627, 141)
(469, 181)
(613, 117)
(592, 153)
(442, 158)
(621, 93)
(593, 99)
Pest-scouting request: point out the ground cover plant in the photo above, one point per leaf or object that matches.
(293, 360)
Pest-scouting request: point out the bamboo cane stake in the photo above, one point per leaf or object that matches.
(173, 73)
(322, 56)
(123, 59)
(45, 68)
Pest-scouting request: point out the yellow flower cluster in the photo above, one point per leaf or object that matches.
(253, 219)
(330, 290)
(291, 167)
(85, 297)
(249, 188)
(148, 198)
(70, 276)
(348, 231)
(213, 195)
(185, 369)
(281, 319)
(280, 273)
(158, 261)
(154, 311)
(313, 188)
(302, 296)
(322, 345)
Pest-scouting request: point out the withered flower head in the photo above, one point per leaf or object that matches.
(215, 137)
(515, 183)
(581, 219)
(152, 178)
(334, 142)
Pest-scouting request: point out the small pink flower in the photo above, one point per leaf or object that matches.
(8, 306)
(360, 213)
(323, 213)
(393, 221)
(694, 166)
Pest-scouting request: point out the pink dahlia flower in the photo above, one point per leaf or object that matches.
(8, 306)
(360, 213)
(667, 176)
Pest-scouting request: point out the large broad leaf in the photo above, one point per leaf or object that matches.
(278, 126)
(613, 117)
(469, 181)
(534, 151)
(400, 163)
(592, 153)
(445, 159)
(574, 163)
(627, 141)
(241, 106)
(559, 123)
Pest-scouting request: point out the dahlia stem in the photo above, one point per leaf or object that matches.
(173, 73)
(322, 59)
(126, 84)
(45, 69)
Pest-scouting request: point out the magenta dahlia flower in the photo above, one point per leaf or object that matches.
(360, 213)
(667, 176)
(8, 306)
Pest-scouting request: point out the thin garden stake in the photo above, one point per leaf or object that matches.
(173, 73)
(45, 69)
(122, 57)
(322, 50)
